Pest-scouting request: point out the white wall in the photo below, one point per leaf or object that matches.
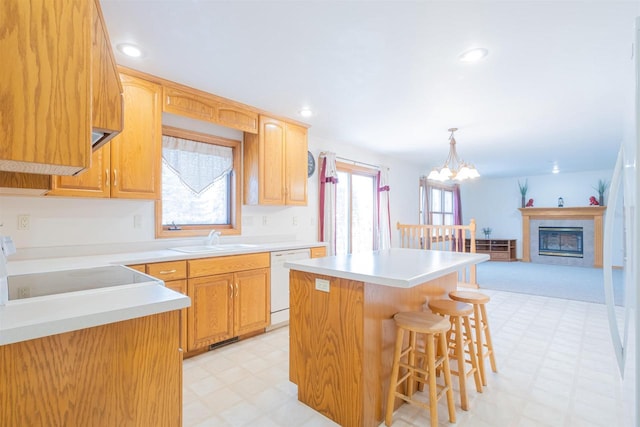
(494, 203)
(56, 221)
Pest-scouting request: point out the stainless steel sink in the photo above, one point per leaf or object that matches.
(213, 248)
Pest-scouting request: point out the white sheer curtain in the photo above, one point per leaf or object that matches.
(328, 183)
(198, 165)
(384, 216)
(425, 197)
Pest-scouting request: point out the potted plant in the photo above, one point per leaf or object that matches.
(523, 191)
(487, 232)
(601, 188)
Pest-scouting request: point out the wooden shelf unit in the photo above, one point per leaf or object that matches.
(498, 249)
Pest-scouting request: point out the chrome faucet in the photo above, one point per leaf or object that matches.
(213, 238)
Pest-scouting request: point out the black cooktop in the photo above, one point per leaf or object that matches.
(58, 282)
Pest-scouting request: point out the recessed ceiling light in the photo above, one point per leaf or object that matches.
(473, 55)
(130, 50)
(306, 112)
(555, 169)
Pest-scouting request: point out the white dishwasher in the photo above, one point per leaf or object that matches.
(280, 283)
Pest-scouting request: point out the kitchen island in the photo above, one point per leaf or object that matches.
(342, 331)
(102, 356)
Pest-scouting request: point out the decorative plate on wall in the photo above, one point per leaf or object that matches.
(311, 164)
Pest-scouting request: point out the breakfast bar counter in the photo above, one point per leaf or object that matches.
(342, 331)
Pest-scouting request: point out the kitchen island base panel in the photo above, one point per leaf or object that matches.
(342, 341)
(123, 373)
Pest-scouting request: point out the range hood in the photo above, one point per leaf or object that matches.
(100, 137)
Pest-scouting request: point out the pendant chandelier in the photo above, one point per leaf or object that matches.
(454, 168)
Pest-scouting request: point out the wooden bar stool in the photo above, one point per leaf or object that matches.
(434, 356)
(484, 346)
(459, 337)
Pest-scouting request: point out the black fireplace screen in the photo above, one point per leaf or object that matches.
(560, 241)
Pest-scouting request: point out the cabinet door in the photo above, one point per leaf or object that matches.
(296, 165)
(45, 82)
(93, 182)
(107, 90)
(210, 317)
(272, 173)
(180, 286)
(252, 301)
(136, 152)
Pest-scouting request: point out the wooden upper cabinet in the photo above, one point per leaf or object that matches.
(204, 106)
(94, 182)
(296, 161)
(271, 162)
(136, 152)
(45, 81)
(59, 85)
(129, 166)
(275, 164)
(49, 86)
(107, 115)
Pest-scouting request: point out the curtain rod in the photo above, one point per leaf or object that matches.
(355, 162)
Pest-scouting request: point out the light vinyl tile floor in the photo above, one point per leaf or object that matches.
(556, 368)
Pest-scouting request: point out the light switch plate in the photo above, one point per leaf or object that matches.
(322, 285)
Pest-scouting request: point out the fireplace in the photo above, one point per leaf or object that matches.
(587, 217)
(560, 241)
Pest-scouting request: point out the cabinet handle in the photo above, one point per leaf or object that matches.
(167, 271)
(236, 289)
(115, 178)
(107, 183)
(231, 288)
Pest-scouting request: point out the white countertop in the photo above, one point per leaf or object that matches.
(30, 318)
(40, 265)
(402, 268)
(26, 319)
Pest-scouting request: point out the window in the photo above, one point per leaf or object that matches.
(355, 208)
(441, 206)
(437, 205)
(199, 189)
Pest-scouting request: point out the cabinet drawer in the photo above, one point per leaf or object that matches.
(318, 252)
(171, 270)
(500, 255)
(227, 264)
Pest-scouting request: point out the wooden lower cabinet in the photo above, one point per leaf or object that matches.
(498, 249)
(180, 286)
(252, 304)
(211, 312)
(319, 252)
(174, 275)
(126, 373)
(227, 305)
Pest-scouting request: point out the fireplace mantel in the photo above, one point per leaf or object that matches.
(594, 213)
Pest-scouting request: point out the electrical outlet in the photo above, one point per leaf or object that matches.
(137, 221)
(295, 220)
(23, 222)
(264, 220)
(24, 292)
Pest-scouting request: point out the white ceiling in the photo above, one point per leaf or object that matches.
(555, 86)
